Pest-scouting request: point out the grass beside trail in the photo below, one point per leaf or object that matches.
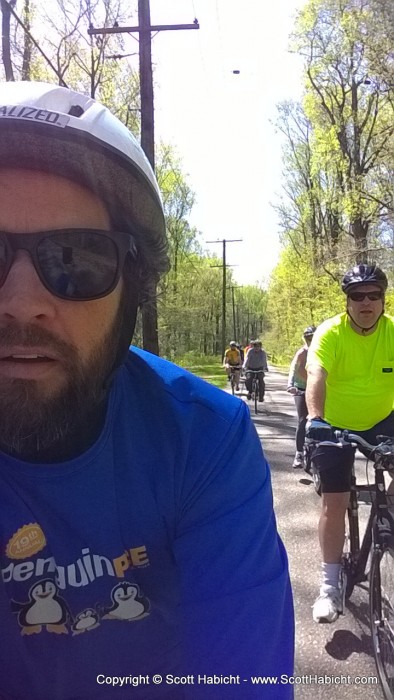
(207, 367)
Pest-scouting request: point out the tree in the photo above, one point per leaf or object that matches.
(350, 113)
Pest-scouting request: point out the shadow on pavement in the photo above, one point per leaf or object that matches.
(344, 643)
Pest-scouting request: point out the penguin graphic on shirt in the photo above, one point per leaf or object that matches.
(45, 608)
(85, 621)
(127, 603)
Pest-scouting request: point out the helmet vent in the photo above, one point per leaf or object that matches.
(76, 111)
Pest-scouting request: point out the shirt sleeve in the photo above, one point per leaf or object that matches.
(238, 620)
(291, 377)
(322, 348)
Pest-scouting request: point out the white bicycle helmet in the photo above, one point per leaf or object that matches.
(54, 129)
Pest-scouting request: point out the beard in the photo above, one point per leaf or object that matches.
(37, 427)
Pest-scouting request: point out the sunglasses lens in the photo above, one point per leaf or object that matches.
(78, 264)
(360, 296)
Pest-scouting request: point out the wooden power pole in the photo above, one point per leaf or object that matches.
(144, 30)
(224, 287)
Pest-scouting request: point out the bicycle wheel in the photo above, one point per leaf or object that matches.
(256, 394)
(381, 605)
(232, 382)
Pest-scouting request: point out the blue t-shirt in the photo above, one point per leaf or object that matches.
(154, 552)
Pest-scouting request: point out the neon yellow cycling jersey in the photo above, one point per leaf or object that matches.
(360, 368)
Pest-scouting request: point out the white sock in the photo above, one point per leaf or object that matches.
(330, 576)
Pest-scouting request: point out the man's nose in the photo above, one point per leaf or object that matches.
(23, 297)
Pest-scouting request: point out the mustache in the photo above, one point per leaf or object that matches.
(31, 336)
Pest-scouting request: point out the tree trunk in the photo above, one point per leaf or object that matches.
(149, 323)
(359, 230)
(26, 64)
(6, 53)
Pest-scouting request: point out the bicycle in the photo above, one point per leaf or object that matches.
(255, 392)
(233, 382)
(377, 548)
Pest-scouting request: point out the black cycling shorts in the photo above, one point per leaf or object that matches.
(334, 464)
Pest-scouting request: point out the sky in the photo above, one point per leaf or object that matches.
(220, 123)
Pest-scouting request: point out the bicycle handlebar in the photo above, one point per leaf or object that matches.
(385, 448)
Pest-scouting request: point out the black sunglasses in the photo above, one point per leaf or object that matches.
(75, 264)
(360, 296)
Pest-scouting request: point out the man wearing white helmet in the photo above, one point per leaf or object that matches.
(132, 545)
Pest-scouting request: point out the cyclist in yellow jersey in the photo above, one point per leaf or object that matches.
(232, 358)
(350, 386)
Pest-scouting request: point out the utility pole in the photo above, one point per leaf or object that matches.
(234, 323)
(146, 82)
(144, 30)
(224, 329)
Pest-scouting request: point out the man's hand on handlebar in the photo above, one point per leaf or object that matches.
(318, 429)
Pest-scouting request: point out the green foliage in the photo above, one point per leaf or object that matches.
(337, 207)
(206, 367)
(298, 296)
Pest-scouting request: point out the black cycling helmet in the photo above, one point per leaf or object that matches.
(309, 331)
(364, 274)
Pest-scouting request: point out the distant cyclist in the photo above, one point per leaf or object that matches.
(232, 359)
(247, 348)
(350, 385)
(256, 359)
(296, 385)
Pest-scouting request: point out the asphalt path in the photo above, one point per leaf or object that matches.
(341, 650)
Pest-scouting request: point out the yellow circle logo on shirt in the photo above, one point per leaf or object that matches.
(28, 540)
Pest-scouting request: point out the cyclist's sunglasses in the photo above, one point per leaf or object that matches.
(360, 296)
(75, 264)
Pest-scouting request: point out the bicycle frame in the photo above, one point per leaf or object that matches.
(378, 532)
(358, 554)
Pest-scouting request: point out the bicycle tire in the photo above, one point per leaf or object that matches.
(381, 608)
(316, 480)
(232, 383)
(256, 395)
